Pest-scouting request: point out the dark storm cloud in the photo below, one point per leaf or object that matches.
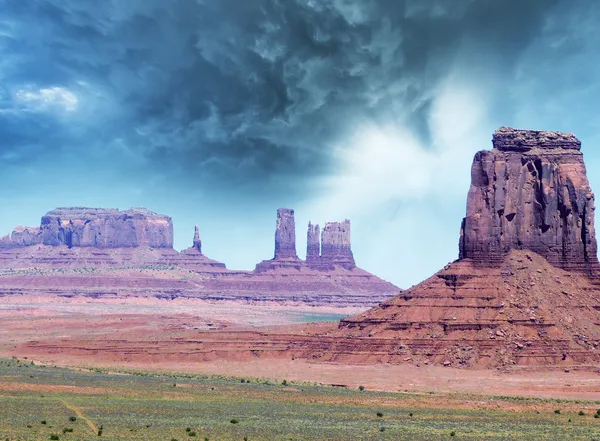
(233, 92)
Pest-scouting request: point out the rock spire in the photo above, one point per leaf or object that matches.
(285, 235)
(197, 244)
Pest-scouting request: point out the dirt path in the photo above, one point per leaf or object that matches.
(80, 415)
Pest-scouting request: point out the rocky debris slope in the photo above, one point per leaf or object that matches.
(524, 290)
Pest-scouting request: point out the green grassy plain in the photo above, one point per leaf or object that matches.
(154, 406)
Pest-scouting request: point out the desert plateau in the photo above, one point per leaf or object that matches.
(299, 220)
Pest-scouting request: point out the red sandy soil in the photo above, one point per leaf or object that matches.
(174, 336)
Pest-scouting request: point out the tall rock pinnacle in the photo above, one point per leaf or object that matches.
(197, 244)
(530, 192)
(285, 234)
(313, 243)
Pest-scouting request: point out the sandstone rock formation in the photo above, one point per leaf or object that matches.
(512, 297)
(285, 234)
(531, 192)
(313, 244)
(111, 253)
(335, 244)
(334, 247)
(285, 244)
(197, 243)
(106, 228)
(22, 237)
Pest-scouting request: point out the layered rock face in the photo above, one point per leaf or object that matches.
(106, 228)
(521, 292)
(285, 234)
(531, 192)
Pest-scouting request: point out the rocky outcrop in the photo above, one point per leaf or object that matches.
(313, 244)
(285, 234)
(513, 297)
(80, 251)
(333, 248)
(530, 192)
(285, 244)
(197, 243)
(22, 237)
(106, 228)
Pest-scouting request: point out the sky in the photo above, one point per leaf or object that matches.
(217, 112)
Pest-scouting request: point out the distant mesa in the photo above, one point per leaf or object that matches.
(525, 289)
(138, 241)
(97, 228)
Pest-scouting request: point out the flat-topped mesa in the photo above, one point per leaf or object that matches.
(285, 235)
(336, 246)
(106, 228)
(531, 192)
(313, 244)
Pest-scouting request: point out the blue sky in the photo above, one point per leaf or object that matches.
(218, 112)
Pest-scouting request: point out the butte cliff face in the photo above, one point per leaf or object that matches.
(95, 228)
(106, 228)
(530, 192)
(525, 288)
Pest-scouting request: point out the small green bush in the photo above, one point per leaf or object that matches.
(361, 388)
(382, 429)
(234, 421)
(54, 437)
(453, 433)
(188, 429)
(68, 430)
(43, 422)
(557, 411)
(72, 418)
(284, 382)
(191, 433)
(581, 413)
(379, 414)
